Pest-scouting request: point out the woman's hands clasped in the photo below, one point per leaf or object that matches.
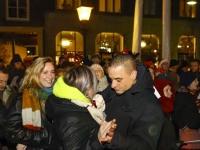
(106, 131)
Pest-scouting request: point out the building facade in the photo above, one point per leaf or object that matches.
(54, 28)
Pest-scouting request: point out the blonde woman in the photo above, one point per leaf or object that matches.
(26, 123)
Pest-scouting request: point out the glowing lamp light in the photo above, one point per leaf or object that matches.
(179, 46)
(65, 43)
(84, 12)
(143, 44)
(28, 51)
(191, 2)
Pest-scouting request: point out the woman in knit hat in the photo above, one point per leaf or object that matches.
(103, 82)
(167, 91)
(16, 71)
(26, 122)
(77, 111)
(186, 110)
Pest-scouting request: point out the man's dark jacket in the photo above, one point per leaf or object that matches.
(138, 113)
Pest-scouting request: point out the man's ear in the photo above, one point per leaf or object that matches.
(134, 74)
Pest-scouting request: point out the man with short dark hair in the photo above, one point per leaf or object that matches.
(61, 60)
(6, 92)
(195, 68)
(6, 95)
(131, 101)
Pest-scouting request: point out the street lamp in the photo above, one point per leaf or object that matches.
(84, 16)
(191, 2)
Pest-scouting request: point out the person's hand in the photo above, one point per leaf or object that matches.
(103, 130)
(188, 132)
(110, 132)
(21, 147)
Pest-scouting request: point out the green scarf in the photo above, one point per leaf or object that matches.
(62, 90)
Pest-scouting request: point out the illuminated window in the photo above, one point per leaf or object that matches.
(69, 44)
(149, 7)
(110, 6)
(187, 9)
(109, 42)
(186, 47)
(150, 45)
(17, 10)
(68, 4)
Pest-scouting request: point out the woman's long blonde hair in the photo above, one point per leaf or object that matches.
(32, 79)
(33, 72)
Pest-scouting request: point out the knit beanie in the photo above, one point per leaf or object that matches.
(184, 63)
(125, 51)
(159, 70)
(162, 61)
(16, 58)
(173, 62)
(148, 63)
(186, 78)
(98, 66)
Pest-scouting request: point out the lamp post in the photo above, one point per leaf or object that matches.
(84, 16)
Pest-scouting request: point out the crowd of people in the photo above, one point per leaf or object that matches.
(122, 104)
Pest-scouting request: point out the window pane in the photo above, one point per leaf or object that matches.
(181, 13)
(117, 6)
(22, 13)
(60, 4)
(22, 3)
(187, 11)
(193, 11)
(12, 3)
(77, 3)
(153, 7)
(102, 5)
(146, 7)
(13, 12)
(109, 5)
(69, 4)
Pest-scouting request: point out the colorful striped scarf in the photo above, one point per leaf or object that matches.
(31, 111)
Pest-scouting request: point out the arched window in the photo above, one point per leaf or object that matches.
(150, 47)
(108, 43)
(70, 45)
(186, 47)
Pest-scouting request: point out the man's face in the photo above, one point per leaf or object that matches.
(165, 66)
(3, 81)
(61, 61)
(194, 66)
(121, 79)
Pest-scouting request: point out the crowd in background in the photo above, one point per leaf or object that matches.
(44, 100)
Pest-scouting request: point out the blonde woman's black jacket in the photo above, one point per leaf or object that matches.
(138, 113)
(74, 125)
(16, 133)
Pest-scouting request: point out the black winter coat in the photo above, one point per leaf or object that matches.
(138, 114)
(3, 111)
(34, 140)
(74, 125)
(185, 111)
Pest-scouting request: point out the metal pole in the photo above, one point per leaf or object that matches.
(137, 28)
(166, 25)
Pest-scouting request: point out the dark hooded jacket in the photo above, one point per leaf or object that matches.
(74, 125)
(138, 114)
(16, 133)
